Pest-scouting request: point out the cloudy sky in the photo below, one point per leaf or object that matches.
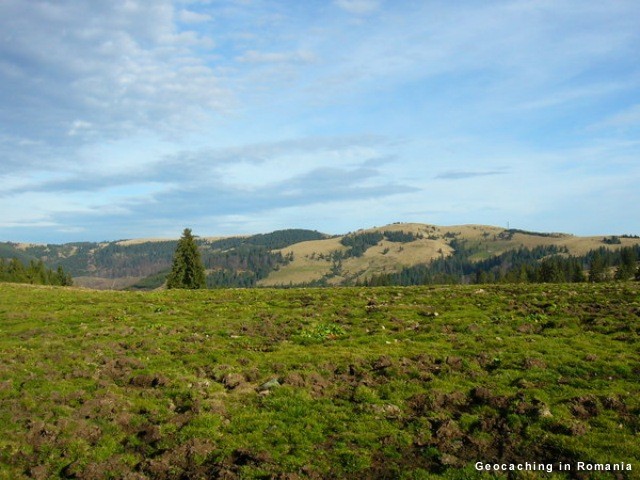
(137, 118)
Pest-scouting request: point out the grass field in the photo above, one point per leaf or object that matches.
(319, 383)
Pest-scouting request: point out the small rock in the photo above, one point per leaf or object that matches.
(273, 383)
(450, 460)
(232, 380)
(392, 411)
(544, 412)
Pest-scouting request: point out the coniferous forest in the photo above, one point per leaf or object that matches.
(35, 273)
(246, 261)
(549, 264)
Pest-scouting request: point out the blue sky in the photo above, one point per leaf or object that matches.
(127, 118)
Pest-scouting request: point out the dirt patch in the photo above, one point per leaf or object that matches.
(148, 381)
(614, 403)
(85, 430)
(106, 405)
(190, 460)
(115, 467)
(437, 402)
(454, 363)
(295, 380)
(382, 363)
(529, 328)
(584, 408)
(530, 363)
(40, 434)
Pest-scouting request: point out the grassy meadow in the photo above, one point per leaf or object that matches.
(408, 383)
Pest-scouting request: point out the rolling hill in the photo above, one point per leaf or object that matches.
(306, 257)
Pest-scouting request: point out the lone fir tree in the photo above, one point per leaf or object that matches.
(187, 270)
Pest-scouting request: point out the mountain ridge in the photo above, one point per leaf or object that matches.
(300, 256)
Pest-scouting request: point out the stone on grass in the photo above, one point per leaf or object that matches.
(273, 383)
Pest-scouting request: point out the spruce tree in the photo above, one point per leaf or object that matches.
(187, 270)
(597, 272)
(627, 267)
(62, 278)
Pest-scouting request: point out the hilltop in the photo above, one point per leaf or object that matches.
(420, 244)
(307, 257)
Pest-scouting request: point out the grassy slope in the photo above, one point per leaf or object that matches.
(375, 261)
(304, 268)
(307, 267)
(376, 383)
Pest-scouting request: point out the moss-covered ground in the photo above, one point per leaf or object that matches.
(319, 383)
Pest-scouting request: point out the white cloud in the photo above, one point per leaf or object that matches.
(475, 88)
(189, 16)
(78, 127)
(519, 51)
(119, 66)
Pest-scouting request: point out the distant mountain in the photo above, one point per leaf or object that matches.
(401, 253)
(143, 263)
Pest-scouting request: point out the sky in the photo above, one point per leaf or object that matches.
(130, 118)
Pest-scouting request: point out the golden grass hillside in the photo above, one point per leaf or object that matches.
(313, 260)
(327, 261)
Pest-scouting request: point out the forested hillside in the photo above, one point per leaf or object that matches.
(397, 254)
(547, 264)
(232, 261)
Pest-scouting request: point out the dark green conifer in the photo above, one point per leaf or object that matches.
(187, 270)
(62, 278)
(597, 270)
(627, 267)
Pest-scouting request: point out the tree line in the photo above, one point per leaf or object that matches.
(359, 243)
(545, 264)
(240, 266)
(35, 272)
(542, 264)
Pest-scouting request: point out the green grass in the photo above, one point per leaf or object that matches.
(411, 383)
